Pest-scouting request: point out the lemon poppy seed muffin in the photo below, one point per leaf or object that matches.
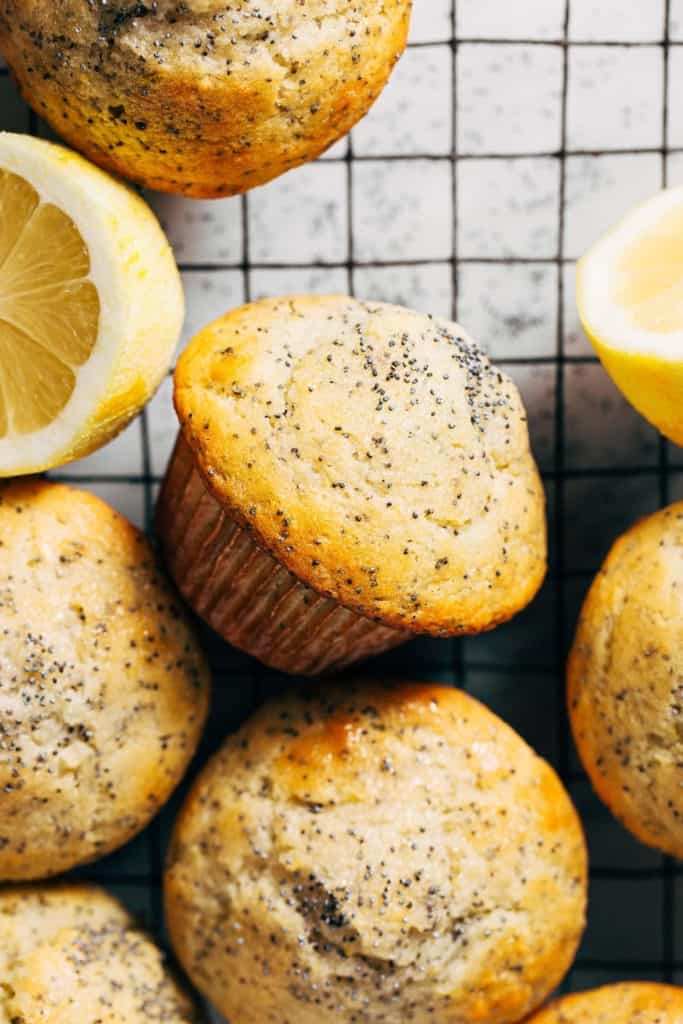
(375, 854)
(32, 914)
(103, 688)
(637, 1002)
(72, 952)
(348, 473)
(625, 676)
(202, 97)
(111, 975)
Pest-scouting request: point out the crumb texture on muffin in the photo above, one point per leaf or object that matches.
(625, 676)
(202, 97)
(376, 854)
(33, 914)
(73, 953)
(376, 452)
(103, 688)
(627, 1003)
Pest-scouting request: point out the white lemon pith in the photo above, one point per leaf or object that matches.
(91, 305)
(630, 297)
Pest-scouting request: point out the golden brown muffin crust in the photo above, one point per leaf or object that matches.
(72, 953)
(32, 914)
(625, 677)
(110, 975)
(629, 1003)
(203, 97)
(103, 688)
(375, 854)
(376, 452)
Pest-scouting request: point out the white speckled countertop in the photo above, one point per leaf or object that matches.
(492, 160)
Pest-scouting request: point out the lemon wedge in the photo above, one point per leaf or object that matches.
(630, 298)
(91, 305)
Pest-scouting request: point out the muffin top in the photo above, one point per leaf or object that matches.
(376, 452)
(32, 914)
(203, 97)
(104, 689)
(629, 1003)
(264, 41)
(68, 948)
(626, 680)
(376, 854)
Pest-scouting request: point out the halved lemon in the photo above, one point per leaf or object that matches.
(630, 297)
(91, 305)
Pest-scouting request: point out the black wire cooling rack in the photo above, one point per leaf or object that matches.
(382, 193)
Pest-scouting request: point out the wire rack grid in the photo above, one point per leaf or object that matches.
(508, 138)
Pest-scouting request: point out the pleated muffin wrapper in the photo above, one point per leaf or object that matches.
(245, 594)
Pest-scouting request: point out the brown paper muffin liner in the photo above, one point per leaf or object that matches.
(245, 594)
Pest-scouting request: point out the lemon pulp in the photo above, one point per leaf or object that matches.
(649, 277)
(49, 309)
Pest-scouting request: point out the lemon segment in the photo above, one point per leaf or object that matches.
(91, 305)
(649, 277)
(49, 312)
(653, 386)
(630, 298)
(17, 202)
